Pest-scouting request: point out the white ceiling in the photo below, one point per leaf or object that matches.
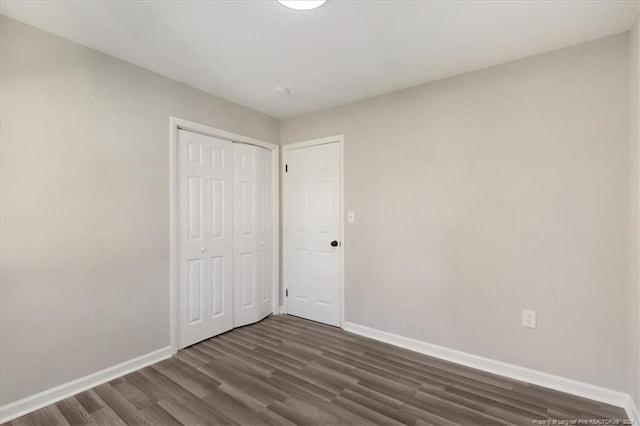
(344, 51)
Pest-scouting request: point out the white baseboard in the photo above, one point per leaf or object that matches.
(547, 380)
(282, 309)
(42, 399)
(632, 410)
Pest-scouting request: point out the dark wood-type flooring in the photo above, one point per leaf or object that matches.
(286, 370)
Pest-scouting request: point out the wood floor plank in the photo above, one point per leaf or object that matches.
(193, 357)
(392, 411)
(181, 413)
(189, 378)
(155, 415)
(151, 388)
(186, 398)
(454, 410)
(231, 407)
(74, 412)
(106, 416)
(426, 416)
(301, 413)
(138, 398)
(310, 385)
(243, 398)
(88, 402)
(289, 371)
(369, 414)
(250, 366)
(119, 404)
(268, 417)
(308, 397)
(228, 374)
(325, 383)
(495, 408)
(375, 398)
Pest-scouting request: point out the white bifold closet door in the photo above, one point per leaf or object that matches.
(205, 269)
(225, 249)
(252, 248)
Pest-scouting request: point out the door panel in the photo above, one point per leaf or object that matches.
(245, 181)
(265, 234)
(217, 208)
(194, 213)
(312, 211)
(247, 280)
(195, 291)
(205, 238)
(217, 285)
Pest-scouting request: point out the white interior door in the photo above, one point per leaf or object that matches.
(265, 234)
(312, 232)
(205, 298)
(245, 250)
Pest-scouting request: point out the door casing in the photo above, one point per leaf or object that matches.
(175, 124)
(339, 139)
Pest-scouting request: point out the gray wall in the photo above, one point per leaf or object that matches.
(634, 216)
(490, 192)
(85, 206)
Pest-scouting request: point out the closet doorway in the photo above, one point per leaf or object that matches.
(224, 216)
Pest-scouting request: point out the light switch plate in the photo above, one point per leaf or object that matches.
(351, 216)
(529, 318)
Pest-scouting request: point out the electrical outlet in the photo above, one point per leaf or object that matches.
(528, 318)
(351, 216)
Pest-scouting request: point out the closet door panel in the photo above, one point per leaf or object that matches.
(265, 234)
(205, 298)
(245, 250)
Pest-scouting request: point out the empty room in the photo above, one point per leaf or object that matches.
(319, 212)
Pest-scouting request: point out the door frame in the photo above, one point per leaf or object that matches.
(339, 139)
(176, 124)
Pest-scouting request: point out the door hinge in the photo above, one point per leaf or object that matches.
(286, 292)
(286, 168)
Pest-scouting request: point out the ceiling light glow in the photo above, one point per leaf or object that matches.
(302, 4)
